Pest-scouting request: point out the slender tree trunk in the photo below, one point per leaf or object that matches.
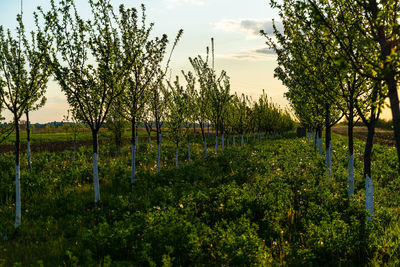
(242, 141)
(133, 156)
(369, 192)
(17, 176)
(328, 141)
(394, 106)
(194, 129)
(216, 140)
(158, 149)
(351, 149)
(314, 138)
(234, 141)
(223, 142)
(95, 167)
(203, 135)
(28, 138)
(137, 137)
(319, 141)
(150, 141)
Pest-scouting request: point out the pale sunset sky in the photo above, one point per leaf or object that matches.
(234, 24)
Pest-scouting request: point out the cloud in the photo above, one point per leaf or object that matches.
(261, 54)
(264, 51)
(250, 27)
(174, 3)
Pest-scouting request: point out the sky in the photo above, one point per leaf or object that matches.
(234, 25)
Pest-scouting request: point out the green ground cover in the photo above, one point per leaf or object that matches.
(269, 203)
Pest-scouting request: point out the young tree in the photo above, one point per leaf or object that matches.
(201, 70)
(157, 98)
(24, 75)
(368, 36)
(90, 89)
(176, 115)
(146, 55)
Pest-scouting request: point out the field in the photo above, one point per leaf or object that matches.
(382, 136)
(268, 203)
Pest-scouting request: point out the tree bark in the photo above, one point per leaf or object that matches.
(369, 193)
(319, 141)
(28, 138)
(223, 142)
(133, 156)
(351, 150)
(95, 167)
(17, 176)
(394, 106)
(328, 141)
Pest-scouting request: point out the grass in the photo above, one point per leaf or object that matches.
(268, 203)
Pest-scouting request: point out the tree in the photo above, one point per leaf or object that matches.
(24, 76)
(157, 98)
(367, 33)
(90, 89)
(177, 114)
(366, 95)
(146, 55)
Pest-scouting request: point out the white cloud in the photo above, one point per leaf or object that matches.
(250, 27)
(174, 3)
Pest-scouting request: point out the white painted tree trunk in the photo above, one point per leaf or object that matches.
(254, 137)
(242, 142)
(133, 165)
(177, 156)
(29, 155)
(17, 197)
(314, 138)
(319, 141)
(205, 148)
(308, 136)
(223, 142)
(96, 178)
(329, 160)
(234, 141)
(351, 175)
(369, 194)
(216, 144)
(247, 136)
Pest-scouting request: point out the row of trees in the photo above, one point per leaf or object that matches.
(340, 58)
(113, 72)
